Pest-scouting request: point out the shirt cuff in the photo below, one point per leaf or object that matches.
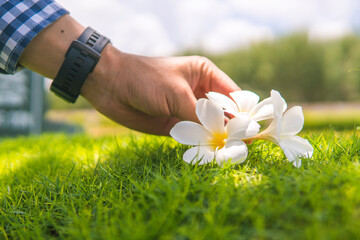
(20, 22)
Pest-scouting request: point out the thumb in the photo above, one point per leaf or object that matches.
(221, 82)
(215, 80)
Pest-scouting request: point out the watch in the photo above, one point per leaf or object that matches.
(80, 60)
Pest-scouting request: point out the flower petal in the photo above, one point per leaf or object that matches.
(201, 155)
(245, 100)
(242, 115)
(264, 110)
(292, 121)
(236, 150)
(224, 101)
(272, 132)
(279, 103)
(211, 115)
(190, 133)
(242, 128)
(295, 147)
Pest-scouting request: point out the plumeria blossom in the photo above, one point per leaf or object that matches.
(245, 103)
(212, 139)
(283, 129)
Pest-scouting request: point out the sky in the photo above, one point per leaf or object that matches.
(168, 27)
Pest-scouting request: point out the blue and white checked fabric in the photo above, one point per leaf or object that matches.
(20, 22)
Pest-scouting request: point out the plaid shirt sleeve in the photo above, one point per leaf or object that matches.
(20, 22)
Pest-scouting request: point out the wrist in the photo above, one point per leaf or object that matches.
(80, 60)
(46, 52)
(100, 82)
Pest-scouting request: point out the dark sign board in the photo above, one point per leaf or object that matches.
(21, 103)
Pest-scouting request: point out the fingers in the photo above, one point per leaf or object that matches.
(207, 77)
(185, 104)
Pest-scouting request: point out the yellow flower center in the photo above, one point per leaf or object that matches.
(218, 140)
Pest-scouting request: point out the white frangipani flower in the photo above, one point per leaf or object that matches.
(244, 103)
(212, 139)
(283, 129)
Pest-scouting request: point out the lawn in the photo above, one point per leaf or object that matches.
(138, 187)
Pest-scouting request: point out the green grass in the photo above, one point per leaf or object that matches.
(81, 187)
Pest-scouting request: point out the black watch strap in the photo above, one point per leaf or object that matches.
(93, 39)
(80, 60)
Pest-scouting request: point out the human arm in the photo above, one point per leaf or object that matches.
(143, 93)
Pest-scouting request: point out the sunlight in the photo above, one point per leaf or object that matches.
(240, 178)
(36, 155)
(11, 161)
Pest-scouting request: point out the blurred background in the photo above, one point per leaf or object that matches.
(309, 50)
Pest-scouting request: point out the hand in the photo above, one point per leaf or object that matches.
(152, 94)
